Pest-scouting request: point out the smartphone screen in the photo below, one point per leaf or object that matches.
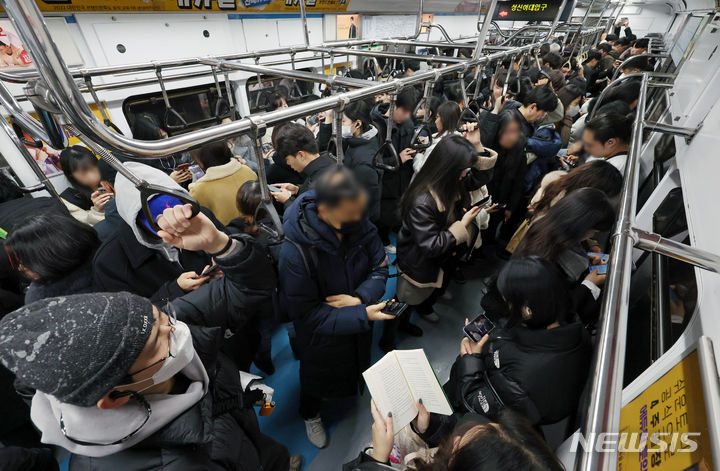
(312, 120)
(601, 269)
(478, 328)
(182, 167)
(481, 202)
(210, 270)
(273, 188)
(196, 171)
(394, 308)
(266, 148)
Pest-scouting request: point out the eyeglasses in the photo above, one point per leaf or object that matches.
(143, 402)
(172, 321)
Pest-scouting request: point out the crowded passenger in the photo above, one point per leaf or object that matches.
(224, 175)
(132, 335)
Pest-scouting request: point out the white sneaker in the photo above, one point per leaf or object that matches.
(316, 432)
(391, 249)
(432, 317)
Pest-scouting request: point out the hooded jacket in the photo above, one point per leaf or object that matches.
(131, 260)
(77, 281)
(358, 153)
(537, 372)
(395, 183)
(204, 425)
(334, 342)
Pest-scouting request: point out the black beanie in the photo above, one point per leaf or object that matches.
(76, 348)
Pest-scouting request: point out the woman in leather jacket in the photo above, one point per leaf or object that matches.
(436, 227)
(459, 442)
(535, 362)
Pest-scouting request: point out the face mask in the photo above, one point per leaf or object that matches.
(572, 110)
(181, 354)
(347, 228)
(347, 132)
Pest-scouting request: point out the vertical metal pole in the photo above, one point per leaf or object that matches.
(578, 38)
(660, 313)
(418, 19)
(616, 13)
(605, 397)
(337, 129)
(485, 27)
(557, 19)
(303, 15)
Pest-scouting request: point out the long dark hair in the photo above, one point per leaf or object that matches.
(9, 190)
(75, 158)
(537, 284)
(567, 223)
(52, 245)
(146, 127)
(504, 120)
(568, 93)
(449, 113)
(509, 443)
(441, 173)
(595, 174)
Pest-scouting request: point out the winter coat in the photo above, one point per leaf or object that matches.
(131, 260)
(427, 240)
(217, 189)
(358, 153)
(395, 183)
(76, 282)
(311, 173)
(537, 372)
(334, 342)
(507, 185)
(220, 430)
(81, 207)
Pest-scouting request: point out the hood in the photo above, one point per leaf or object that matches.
(378, 112)
(364, 137)
(511, 105)
(92, 424)
(129, 205)
(303, 226)
(563, 338)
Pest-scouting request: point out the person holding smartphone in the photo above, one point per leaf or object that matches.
(534, 362)
(88, 193)
(332, 270)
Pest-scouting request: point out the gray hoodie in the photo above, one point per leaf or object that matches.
(92, 424)
(129, 204)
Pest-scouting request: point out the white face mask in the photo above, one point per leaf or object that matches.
(572, 110)
(347, 132)
(181, 354)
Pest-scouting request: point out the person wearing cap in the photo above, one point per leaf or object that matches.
(135, 259)
(125, 385)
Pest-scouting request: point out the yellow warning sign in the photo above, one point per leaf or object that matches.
(665, 427)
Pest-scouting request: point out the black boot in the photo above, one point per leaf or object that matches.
(263, 360)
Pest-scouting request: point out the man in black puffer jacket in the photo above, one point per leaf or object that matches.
(125, 385)
(395, 183)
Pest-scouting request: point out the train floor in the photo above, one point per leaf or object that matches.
(348, 421)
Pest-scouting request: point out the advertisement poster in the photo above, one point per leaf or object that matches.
(347, 26)
(12, 52)
(319, 6)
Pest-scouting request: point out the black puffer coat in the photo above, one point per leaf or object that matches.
(221, 431)
(395, 183)
(537, 372)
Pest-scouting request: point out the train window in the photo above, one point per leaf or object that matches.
(190, 108)
(261, 95)
(663, 291)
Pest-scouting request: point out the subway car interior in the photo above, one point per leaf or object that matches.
(287, 235)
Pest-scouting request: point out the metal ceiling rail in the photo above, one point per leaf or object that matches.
(390, 55)
(296, 74)
(29, 23)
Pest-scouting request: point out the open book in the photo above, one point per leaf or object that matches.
(399, 379)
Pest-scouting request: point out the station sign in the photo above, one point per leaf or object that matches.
(229, 6)
(524, 10)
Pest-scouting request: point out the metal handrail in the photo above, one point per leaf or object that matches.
(605, 397)
(28, 21)
(618, 69)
